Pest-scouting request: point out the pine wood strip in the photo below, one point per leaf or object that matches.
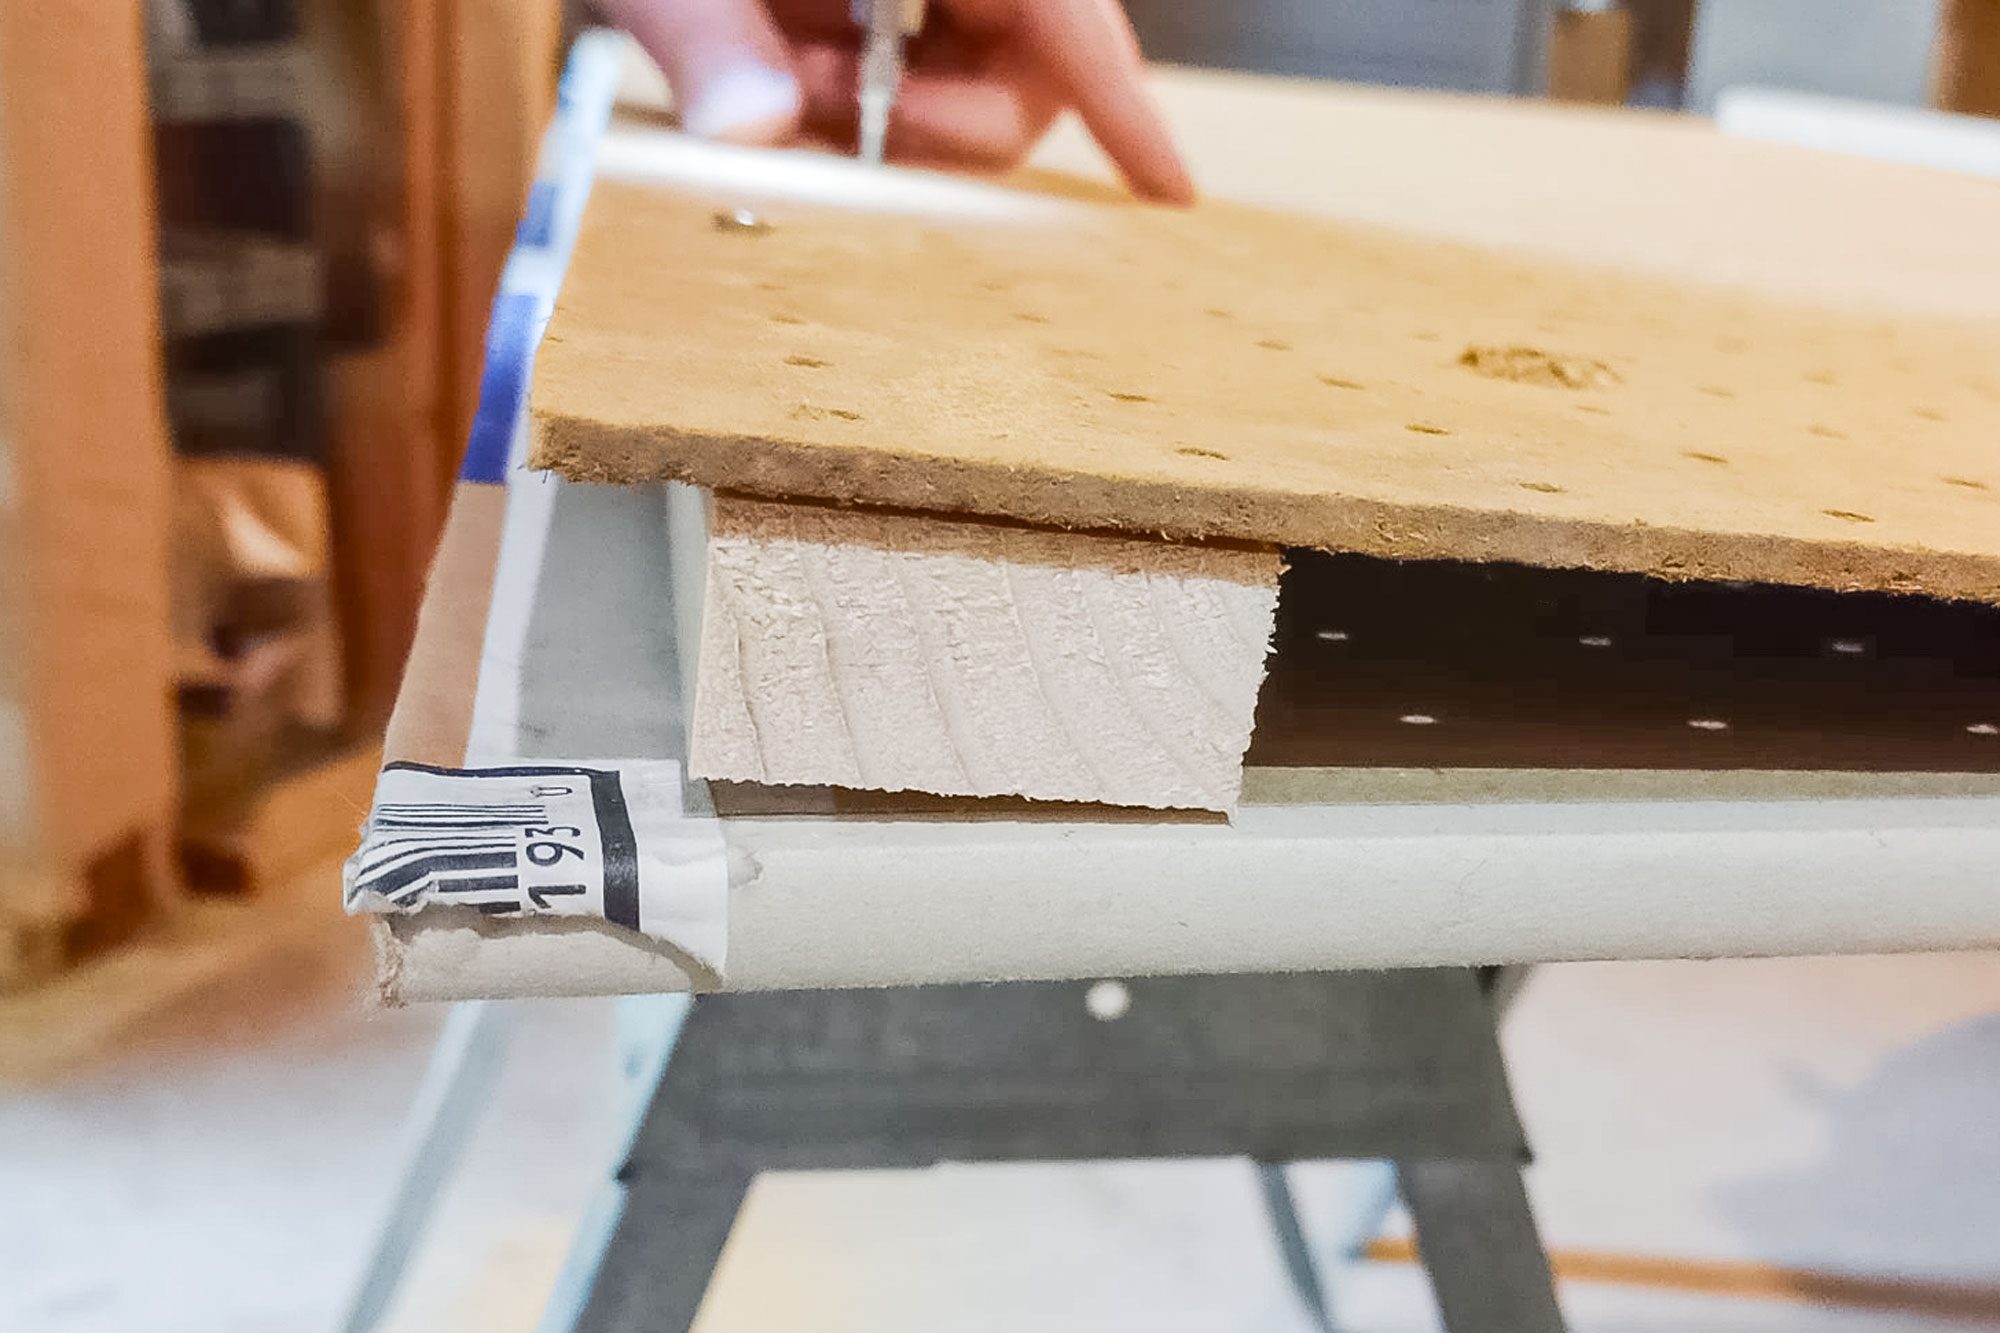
(896, 652)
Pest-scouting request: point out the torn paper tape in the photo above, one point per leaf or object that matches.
(603, 839)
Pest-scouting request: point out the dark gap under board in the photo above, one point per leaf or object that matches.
(1449, 665)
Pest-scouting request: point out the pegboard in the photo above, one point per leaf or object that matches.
(1451, 665)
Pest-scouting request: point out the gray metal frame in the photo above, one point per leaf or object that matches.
(1479, 46)
(1397, 1065)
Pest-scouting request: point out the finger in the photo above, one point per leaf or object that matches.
(988, 120)
(829, 88)
(1090, 53)
(726, 62)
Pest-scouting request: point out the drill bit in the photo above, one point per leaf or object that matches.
(884, 23)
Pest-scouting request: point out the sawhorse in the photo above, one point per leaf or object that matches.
(1403, 1066)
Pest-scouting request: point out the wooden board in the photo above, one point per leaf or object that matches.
(1590, 56)
(86, 724)
(387, 406)
(897, 652)
(498, 65)
(1822, 412)
(297, 820)
(1968, 58)
(474, 82)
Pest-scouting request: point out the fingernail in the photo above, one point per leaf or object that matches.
(747, 103)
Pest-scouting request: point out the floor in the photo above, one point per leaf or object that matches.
(216, 1161)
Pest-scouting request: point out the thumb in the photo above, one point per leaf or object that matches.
(725, 61)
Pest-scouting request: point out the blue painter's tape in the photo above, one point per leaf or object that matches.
(503, 389)
(537, 224)
(566, 90)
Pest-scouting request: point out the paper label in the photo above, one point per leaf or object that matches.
(608, 840)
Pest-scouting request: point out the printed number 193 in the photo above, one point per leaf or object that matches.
(544, 850)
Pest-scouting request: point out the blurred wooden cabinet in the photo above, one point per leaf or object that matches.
(87, 756)
(475, 83)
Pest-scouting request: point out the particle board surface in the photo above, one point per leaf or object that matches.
(1047, 353)
(1644, 192)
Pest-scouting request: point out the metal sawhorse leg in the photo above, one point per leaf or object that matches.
(1403, 1066)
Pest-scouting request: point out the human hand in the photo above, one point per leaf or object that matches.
(983, 82)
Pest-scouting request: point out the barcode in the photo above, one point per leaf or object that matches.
(469, 854)
(468, 838)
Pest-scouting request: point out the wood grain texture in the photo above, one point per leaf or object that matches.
(1968, 58)
(388, 414)
(475, 82)
(86, 727)
(909, 653)
(1590, 56)
(499, 62)
(1807, 395)
(433, 715)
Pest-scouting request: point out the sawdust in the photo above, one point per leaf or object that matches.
(1532, 365)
